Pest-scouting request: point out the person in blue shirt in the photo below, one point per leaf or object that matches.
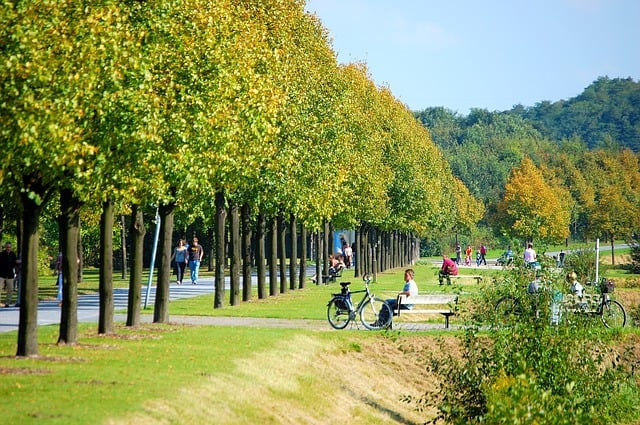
(195, 257)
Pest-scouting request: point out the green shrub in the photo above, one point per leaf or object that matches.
(635, 258)
(527, 371)
(583, 262)
(634, 314)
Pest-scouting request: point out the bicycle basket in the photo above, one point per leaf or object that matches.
(607, 286)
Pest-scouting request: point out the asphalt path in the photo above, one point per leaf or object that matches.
(89, 305)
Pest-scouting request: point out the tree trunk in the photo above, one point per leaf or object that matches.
(282, 251)
(105, 288)
(161, 305)
(325, 249)
(375, 254)
(221, 257)
(247, 235)
(293, 258)
(80, 252)
(613, 251)
(28, 322)
(303, 257)
(211, 231)
(123, 249)
(235, 254)
(137, 232)
(358, 270)
(273, 258)
(260, 255)
(69, 230)
(319, 251)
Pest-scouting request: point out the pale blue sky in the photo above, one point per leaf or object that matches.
(490, 54)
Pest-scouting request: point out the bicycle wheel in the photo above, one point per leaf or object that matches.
(376, 314)
(506, 309)
(338, 313)
(613, 314)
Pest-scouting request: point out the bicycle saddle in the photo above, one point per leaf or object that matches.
(345, 284)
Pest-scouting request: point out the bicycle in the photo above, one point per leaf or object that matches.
(374, 313)
(612, 313)
(510, 305)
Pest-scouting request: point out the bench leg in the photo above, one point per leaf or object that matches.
(446, 319)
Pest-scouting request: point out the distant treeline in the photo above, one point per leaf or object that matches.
(482, 147)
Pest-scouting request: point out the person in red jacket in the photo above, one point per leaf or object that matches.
(448, 269)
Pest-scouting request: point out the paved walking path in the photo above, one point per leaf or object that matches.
(88, 311)
(89, 305)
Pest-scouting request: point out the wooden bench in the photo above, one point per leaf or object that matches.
(331, 277)
(444, 304)
(478, 278)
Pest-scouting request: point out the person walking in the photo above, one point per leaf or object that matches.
(195, 257)
(180, 256)
(8, 264)
(347, 251)
(483, 255)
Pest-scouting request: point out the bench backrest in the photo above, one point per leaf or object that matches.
(430, 299)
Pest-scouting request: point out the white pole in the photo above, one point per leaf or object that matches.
(597, 259)
(153, 258)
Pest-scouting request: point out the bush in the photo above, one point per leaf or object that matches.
(530, 371)
(635, 316)
(583, 262)
(635, 258)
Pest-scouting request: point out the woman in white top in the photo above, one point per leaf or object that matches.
(530, 254)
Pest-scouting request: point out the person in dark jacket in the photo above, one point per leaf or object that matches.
(8, 264)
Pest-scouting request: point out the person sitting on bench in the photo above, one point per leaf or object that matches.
(336, 265)
(409, 289)
(448, 269)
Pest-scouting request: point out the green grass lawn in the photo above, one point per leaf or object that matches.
(311, 302)
(111, 376)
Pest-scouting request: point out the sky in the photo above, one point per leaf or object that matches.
(490, 54)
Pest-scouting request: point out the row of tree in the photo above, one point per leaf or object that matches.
(208, 109)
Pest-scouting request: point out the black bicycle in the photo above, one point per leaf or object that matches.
(374, 313)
